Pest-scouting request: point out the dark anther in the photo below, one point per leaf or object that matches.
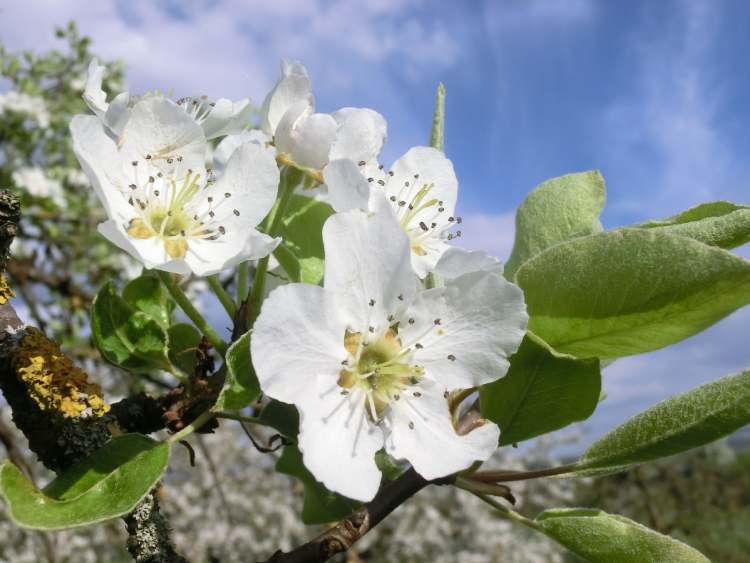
(222, 230)
(361, 163)
(437, 321)
(236, 212)
(423, 226)
(372, 302)
(451, 357)
(411, 321)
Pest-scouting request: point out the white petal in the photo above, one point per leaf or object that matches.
(208, 257)
(347, 187)
(360, 136)
(456, 261)
(252, 179)
(98, 156)
(468, 329)
(158, 127)
(231, 143)
(298, 336)
(118, 113)
(305, 136)
(150, 252)
(433, 169)
(227, 117)
(293, 87)
(422, 433)
(93, 94)
(368, 261)
(338, 442)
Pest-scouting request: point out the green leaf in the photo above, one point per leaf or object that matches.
(437, 134)
(127, 338)
(629, 291)
(543, 391)
(680, 423)
(281, 416)
(303, 239)
(320, 505)
(108, 484)
(146, 293)
(608, 538)
(183, 343)
(718, 223)
(555, 211)
(241, 385)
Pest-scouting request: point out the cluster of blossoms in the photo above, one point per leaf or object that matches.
(404, 322)
(26, 105)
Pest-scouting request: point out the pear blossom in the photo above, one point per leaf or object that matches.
(309, 139)
(421, 189)
(369, 359)
(216, 118)
(165, 209)
(24, 104)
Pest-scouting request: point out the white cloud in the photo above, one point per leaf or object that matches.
(665, 142)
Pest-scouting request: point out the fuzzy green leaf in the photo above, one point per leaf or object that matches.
(241, 385)
(146, 293)
(718, 223)
(320, 504)
(542, 392)
(301, 230)
(108, 484)
(599, 537)
(183, 343)
(555, 211)
(126, 337)
(680, 423)
(630, 291)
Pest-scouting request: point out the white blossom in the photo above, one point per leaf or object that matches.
(421, 189)
(310, 139)
(38, 184)
(369, 358)
(216, 118)
(30, 106)
(164, 208)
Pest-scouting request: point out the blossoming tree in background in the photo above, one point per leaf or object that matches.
(377, 354)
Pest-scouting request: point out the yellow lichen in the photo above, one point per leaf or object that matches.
(53, 381)
(6, 292)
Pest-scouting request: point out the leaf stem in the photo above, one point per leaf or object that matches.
(289, 179)
(192, 427)
(243, 277)
(193, 314)
(506, 512)
(221, 293)
(508, 476)
(485, 488)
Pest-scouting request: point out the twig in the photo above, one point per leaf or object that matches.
(342, 536)
(508, 476)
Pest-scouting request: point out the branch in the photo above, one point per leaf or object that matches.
(342, 536)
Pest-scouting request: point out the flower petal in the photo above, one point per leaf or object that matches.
(467, 329)
(251, 179)
(93, 94)
(360, 136)
(368, 266)
(232, 142)
(118, 113)
(227, 117)
(338, 442)
(347, 188)
(298, 336)
(160, 129)
(422, 433)
(150, 252)
(293, 87)
(208, 257)
(305, 136)
(456, 261)
(99, 158)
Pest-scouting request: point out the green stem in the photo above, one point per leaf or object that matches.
(507, 512)
(223, 296)
(243, 277)
(193, 314)
(508, 476)
(485, 488)
(192, 427)
(289, 179)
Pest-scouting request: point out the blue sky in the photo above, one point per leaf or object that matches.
(654, 94)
